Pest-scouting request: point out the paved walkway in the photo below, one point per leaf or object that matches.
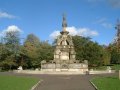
(66, 82)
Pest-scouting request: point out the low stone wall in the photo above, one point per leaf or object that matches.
(62, 72)
(47, 72)
(101, 72)
(82, 70)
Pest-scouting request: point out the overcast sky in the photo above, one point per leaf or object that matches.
(93, 18)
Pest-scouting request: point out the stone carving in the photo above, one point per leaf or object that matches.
(64, 54)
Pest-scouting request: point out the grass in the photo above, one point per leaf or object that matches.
(107, 83)
(113, 67)
(16, 83)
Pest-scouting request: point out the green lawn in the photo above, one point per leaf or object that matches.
(16, 83)
(107, 83)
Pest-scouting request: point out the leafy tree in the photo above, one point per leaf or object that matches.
(88, 50)
(106, 57)
(9, 62)
(33, 40)
(115, 53)
(46, 51)
(12, 42)
(10, 48)
(35, 51)
(79, 44)
(31, 49)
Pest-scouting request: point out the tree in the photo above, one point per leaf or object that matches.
(10, 48)
(106, 57)
(33, 40)
(9, 62)
(31, 49)
(88, 50)
(46, 51)
(12, 42)
(115, 53)
(79, 44)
